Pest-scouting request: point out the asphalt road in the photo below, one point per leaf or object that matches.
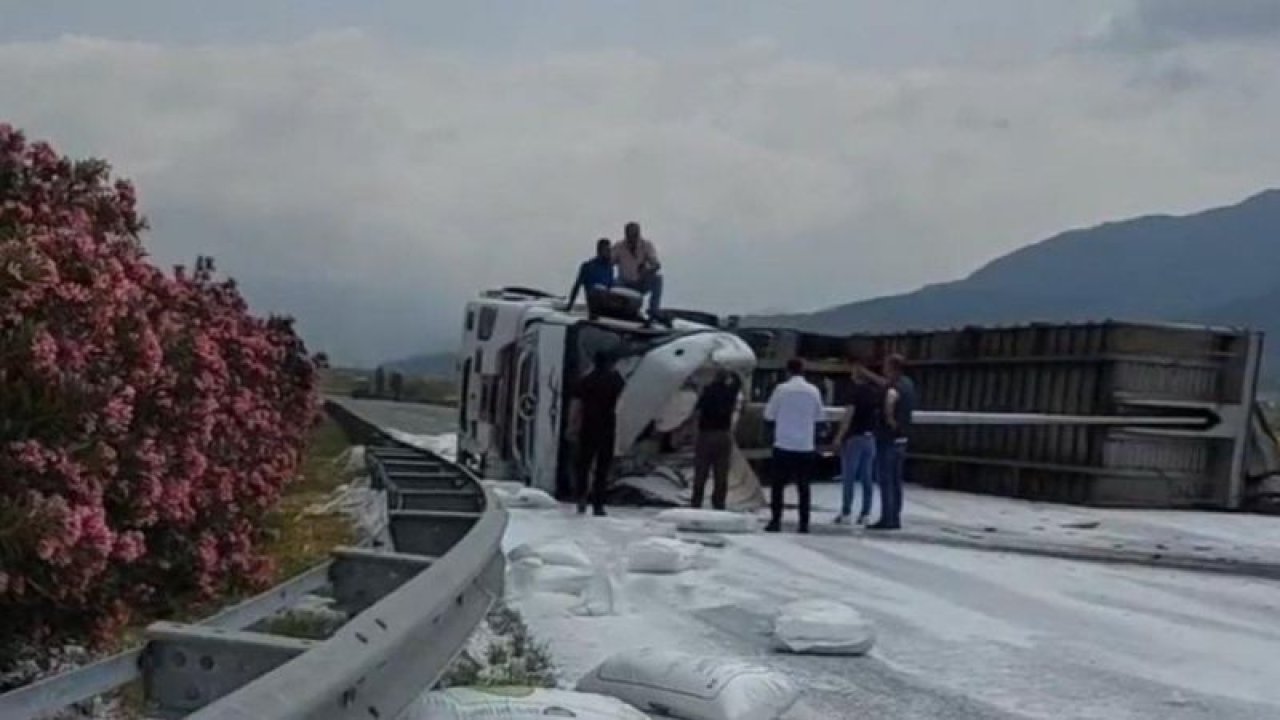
(963, 634)
(410, 417)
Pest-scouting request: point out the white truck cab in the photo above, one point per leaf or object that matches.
(521, 353)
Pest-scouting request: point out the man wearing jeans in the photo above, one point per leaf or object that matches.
(795, 409)
(857, 443)
(638, 266)
(899, 404)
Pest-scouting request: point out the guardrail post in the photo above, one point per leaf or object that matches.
(423, 532)
(186, 667)
(362, 577)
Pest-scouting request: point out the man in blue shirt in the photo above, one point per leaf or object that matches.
(594, 276)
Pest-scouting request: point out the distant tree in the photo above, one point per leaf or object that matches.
(379, 383)
(397, 386)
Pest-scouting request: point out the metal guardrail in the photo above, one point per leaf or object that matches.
(410, 607)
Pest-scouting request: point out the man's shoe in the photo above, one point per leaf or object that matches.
(884, 526)
(772, 527)
(862, 519)
(803, 529)
(841, 519)
(582, 508)
(598, 511)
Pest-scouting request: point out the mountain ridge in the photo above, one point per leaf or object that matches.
(1218, 266)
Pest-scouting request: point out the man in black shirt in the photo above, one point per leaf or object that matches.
(596, 417)
(857, 441)
(714, 449)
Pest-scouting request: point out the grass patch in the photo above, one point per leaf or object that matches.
(295, 539)
(343, 381)
(502, 654)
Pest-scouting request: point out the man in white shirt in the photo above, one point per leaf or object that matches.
(638, 266)
(794, 409)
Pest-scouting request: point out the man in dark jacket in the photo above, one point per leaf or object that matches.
(714, 449)
(856, 441)
(595, 415)
(595, 278)
(891, 445)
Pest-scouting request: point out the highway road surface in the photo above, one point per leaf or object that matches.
(963, 633)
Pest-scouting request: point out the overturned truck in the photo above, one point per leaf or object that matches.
(521, 353)
(1108, 413)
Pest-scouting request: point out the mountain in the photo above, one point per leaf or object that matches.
(1220, 266)
(442, 365)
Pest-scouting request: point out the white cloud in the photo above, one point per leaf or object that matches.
(410, 178)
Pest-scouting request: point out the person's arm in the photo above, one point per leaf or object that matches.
(573, 292)
(891, 404)
(874, 377)
(844, 425)
(771, 407)
(771, 417)
(819, 412)
(702, 402)
(652, 256)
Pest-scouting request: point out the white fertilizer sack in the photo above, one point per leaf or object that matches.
(823, 627)
(522, 575)
(352, 461)
(661, 556)
(530, 499)
(566, 553)
(510, 487)
(691, 687)
(717, 521)
(602, 595)
(517, 703)
(562, 580)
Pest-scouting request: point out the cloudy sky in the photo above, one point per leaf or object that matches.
(367, 166)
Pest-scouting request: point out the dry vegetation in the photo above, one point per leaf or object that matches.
(297, 539)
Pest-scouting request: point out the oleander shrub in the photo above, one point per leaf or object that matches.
(148, 420)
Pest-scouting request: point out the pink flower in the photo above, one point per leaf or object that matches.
(168, 416)
(130, 546)
(44, 351)
(46, 549)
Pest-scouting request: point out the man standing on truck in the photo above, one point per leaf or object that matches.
(594, 414)
(595, 277)
(714, 448)
(891, 444)
(856, 441)
(795, 408)
(638, 266)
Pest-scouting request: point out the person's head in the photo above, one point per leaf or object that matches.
(795, 367)
(631, 232)
(893, 366)
(603, 247)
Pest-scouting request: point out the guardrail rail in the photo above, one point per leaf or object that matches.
(412, 595)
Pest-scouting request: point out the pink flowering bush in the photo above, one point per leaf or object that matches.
(148, 421)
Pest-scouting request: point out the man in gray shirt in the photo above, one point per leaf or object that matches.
(891, 442)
